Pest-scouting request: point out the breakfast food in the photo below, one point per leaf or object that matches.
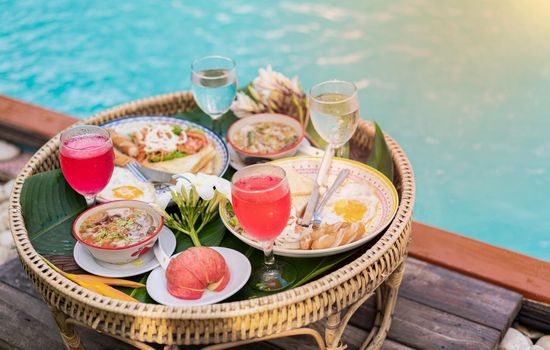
(265, 137)
(166, 147)
(123, 185)
(300, 190)
(351, 212)
(331, 235)
(123, 143)
(196, 269)
(117, 227)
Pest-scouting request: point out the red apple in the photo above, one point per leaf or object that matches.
(194, 270)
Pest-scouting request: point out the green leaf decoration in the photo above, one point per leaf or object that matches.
(211, 235)
(307, 268)
(50, 207)
(380, 156)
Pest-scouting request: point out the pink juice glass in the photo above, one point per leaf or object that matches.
(261, 201)
(87, 159)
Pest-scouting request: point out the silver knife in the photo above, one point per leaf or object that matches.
(319, 181)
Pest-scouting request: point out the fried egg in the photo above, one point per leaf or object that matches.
(124, 185)
(352, 202)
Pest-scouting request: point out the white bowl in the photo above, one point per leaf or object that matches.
(120, 255)
(266, 117)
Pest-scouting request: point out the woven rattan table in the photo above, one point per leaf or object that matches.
(336, 296)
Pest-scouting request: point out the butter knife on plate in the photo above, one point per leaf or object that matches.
(319, 181)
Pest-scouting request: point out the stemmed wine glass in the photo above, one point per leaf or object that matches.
(214, 86)
(334, 110)
(261, 201)
(87, 159)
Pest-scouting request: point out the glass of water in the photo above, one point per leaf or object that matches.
(214, 86)
(334, 111)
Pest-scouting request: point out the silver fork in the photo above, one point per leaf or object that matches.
(317, 219)
(134, 168)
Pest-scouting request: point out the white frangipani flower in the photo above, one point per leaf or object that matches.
(244, 106)
(203, 184)
(224, 188)
(269, 80)
(272, 92)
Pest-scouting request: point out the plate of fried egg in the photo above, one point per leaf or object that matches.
(125, 186)
(361, 208)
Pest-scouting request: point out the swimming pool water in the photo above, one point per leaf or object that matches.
(462, 85)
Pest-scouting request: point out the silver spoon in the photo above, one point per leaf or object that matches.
(317, 219)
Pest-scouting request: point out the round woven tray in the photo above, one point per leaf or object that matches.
(224, 322)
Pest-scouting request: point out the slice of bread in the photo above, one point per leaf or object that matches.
(300, 185)
(300, 203)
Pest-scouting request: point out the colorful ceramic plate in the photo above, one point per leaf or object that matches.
(360, 173)
(145, 263)
(222, 157)
(239, 268)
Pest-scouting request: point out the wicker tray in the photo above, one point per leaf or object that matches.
(377, 272)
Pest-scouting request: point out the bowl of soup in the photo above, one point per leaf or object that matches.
(266, 135)
(118, 232)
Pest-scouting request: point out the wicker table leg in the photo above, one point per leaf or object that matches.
(300, 331)
(68, 334)
(386, 300)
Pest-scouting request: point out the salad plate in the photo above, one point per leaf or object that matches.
(145, 263)
(168, 144)
(359, 210)
(239, 269)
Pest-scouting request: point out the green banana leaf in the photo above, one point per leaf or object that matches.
(380, 155)
(50, 206)
(307, 268)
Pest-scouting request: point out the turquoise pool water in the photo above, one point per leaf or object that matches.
(463, 85)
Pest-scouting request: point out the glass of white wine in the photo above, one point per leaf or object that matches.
(334, 110)
(214, 86)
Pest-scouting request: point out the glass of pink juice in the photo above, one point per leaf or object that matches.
(87, 159)
(261, 201)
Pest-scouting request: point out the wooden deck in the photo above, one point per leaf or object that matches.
(437, 309)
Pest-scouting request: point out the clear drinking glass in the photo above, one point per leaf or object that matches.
(261, 201)
(334, 111)
(87, 159)
(214, 86)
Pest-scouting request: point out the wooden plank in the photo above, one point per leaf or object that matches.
(12, 273)
(26, 321)
(33, 119)
(353, 337)
(28, 324)
(521, 273)
(422, 327)
(535, 315)
(460, 295)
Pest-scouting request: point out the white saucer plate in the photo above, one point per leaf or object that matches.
(239, 268)
(145, 263)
